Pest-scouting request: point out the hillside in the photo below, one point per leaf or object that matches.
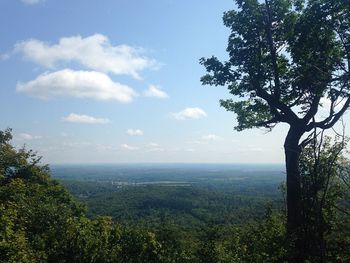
(40, 221)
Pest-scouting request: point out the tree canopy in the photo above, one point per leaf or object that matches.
(284, 57)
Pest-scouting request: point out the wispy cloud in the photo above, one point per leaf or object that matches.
(155, 91)
(4, 56)
(205, 139)
(153, 144)
(210, 137)
(77, 118)
(199, 142)
(128, 147)
(79, 84)
(134, 132)
(27, 136)
(94, 52)
(190, 113)
(32, 2)
(154, 147)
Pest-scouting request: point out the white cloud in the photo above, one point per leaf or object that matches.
(153, 144)
(155, 150)
(76, 118)
(210, 137)
(205, 139)
(94, 52)
(128, 147)
(77, 144)
(154, 91)
(190, 113)
(79, 84)
(198, 142)
(134, 132)
(154, 147)
(32, 2)
(64, 134)
(27, 136)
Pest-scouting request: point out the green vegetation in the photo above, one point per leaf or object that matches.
(185, 206)
(40, 221)
(188, 204)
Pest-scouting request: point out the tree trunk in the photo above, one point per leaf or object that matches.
(294, 216)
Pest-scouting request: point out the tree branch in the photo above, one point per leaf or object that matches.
(277, 88)
(330, 120)
(268, 123)
(313, 109)
(288, 115)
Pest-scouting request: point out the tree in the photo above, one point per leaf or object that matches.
(40, 221)
(322, 164)
(287, 59)
(35, 210)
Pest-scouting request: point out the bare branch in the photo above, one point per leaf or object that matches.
(330, 120)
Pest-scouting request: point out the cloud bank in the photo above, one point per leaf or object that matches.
(78, 84)
(94, 52)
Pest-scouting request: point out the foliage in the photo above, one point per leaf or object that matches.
(284, 56)
(40, 221)
(184, 206)
(262, 241)
(323, 168)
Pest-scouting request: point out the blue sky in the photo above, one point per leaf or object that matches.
(117, 81)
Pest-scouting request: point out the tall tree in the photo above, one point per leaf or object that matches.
(287, 58)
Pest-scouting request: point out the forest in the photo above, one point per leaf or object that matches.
(184, 195)
(58, 220)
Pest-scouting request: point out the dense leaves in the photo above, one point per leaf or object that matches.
(283, 54)
(40, 221)
(323, 190)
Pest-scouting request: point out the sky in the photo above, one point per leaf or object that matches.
(118, 81)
